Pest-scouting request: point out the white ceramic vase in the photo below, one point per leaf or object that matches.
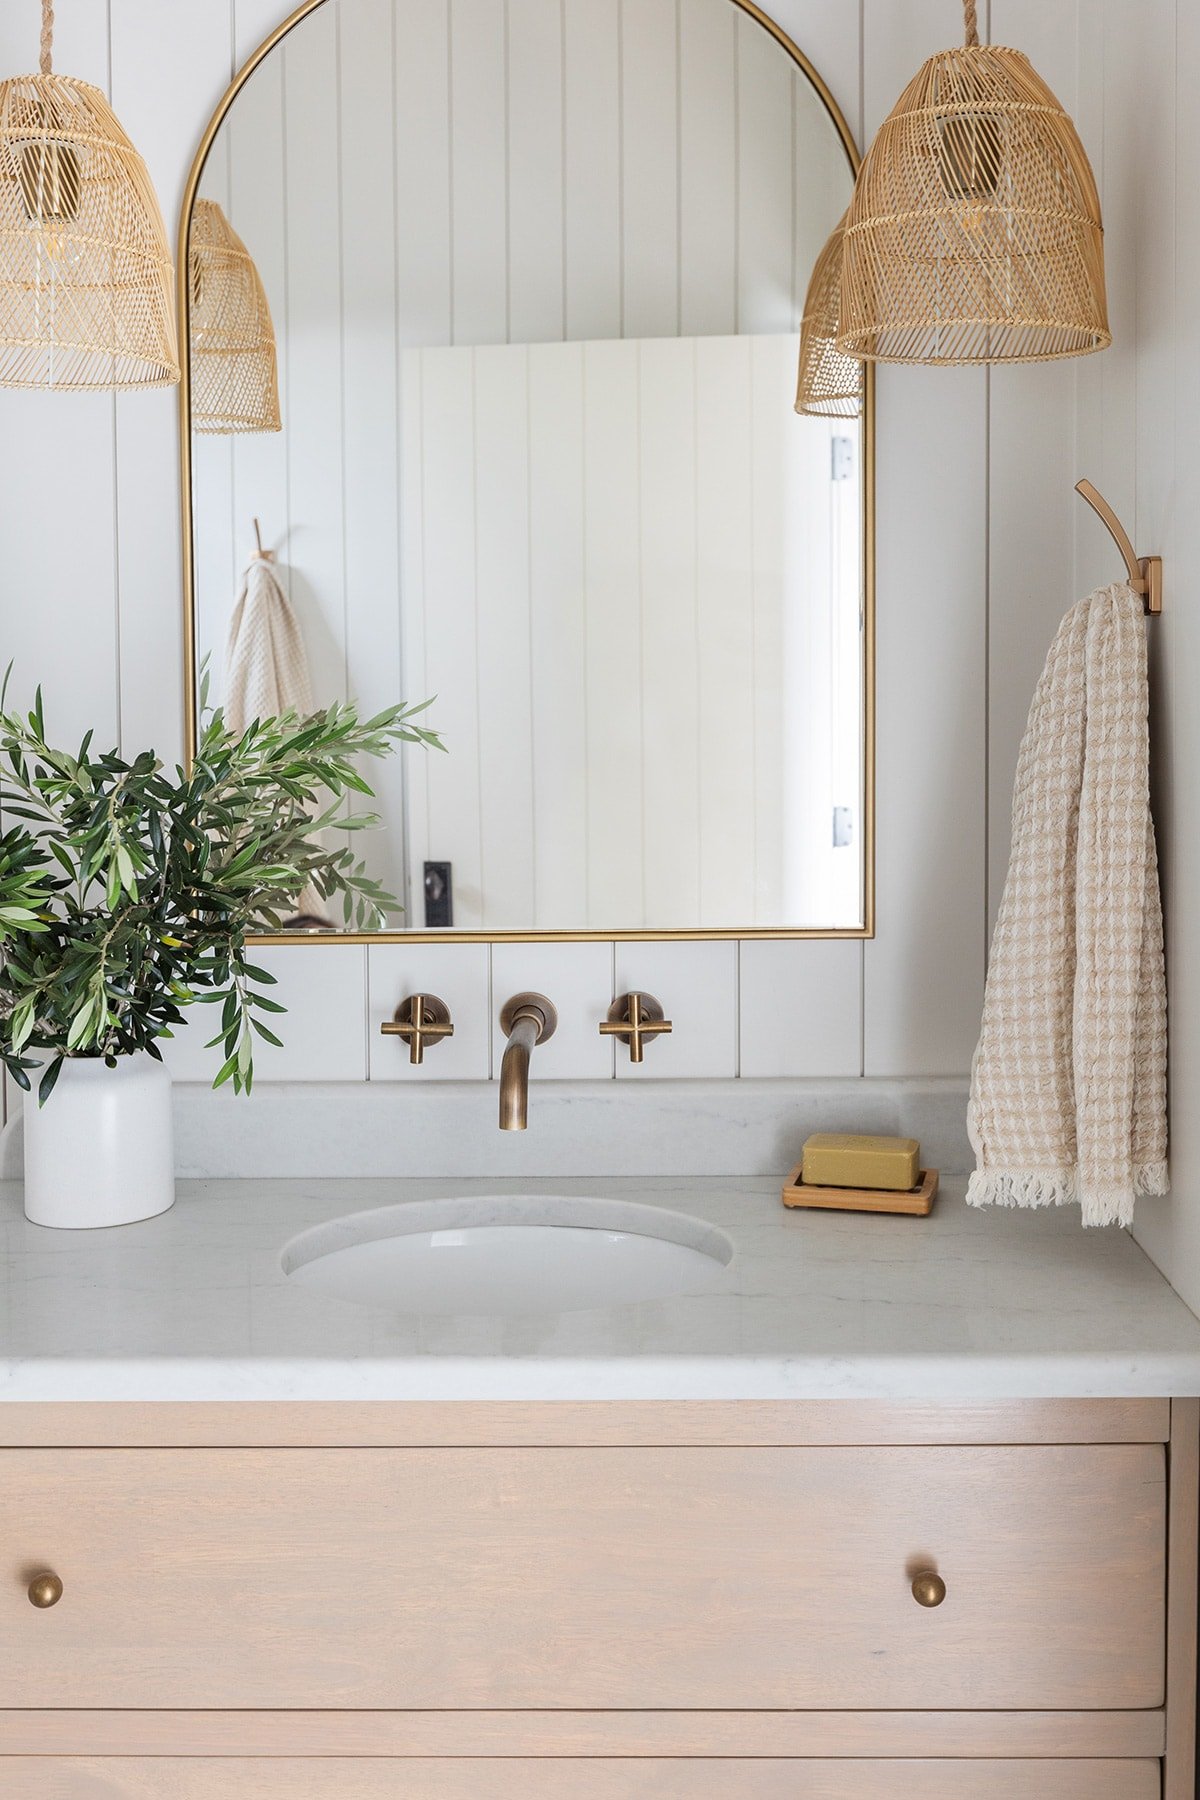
(101, 1150)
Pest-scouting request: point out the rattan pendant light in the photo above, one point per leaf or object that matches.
(830, 384)
(974, 235)
(235, 383)
(85, 272)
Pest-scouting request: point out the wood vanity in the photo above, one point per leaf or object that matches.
(642, 1601)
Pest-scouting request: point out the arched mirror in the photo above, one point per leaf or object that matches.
(490, 315)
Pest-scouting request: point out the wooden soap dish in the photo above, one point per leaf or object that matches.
(917, 1201)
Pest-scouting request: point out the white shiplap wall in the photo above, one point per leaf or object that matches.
(1142, 408)
(694, 172)
(624, 661)
(978, 556)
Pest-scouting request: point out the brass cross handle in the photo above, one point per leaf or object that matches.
(633, 1018)
(421, 1019)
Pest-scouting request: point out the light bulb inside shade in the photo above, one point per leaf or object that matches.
(55, 247)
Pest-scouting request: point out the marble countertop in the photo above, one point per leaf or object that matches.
(194, 1306)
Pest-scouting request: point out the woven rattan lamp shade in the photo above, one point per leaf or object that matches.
(974, 235)
(85, 273)
(235, 382)
(830, 384)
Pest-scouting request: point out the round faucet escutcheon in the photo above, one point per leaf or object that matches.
(530, 1006)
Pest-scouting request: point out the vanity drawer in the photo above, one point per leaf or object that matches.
(585, 1578)
(235, 1778)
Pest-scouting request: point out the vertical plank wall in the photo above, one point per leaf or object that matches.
(980, 546)
(598, 746)
(711, 121)
(1149, 69)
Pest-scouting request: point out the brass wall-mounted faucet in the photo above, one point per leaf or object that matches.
(421, 1019)
(634, 1018)
(526, 1021)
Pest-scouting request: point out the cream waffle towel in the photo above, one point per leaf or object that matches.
(1068, 1084)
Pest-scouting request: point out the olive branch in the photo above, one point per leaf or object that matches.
(127, 891)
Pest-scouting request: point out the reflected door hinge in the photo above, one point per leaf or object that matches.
(843, 826)
(841, 458)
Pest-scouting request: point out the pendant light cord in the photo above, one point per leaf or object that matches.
(47, 34)
(971, 21)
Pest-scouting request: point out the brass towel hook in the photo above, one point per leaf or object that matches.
(1145, 573)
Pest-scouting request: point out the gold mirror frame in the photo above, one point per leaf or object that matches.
(190, 662)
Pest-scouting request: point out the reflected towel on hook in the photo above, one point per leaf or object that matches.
(266, 669)
(1068, 1084)
(266, 666)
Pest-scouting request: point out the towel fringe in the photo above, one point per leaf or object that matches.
(1028, 1188)
(1022, 1187)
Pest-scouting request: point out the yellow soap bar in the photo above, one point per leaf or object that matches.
(843, 1159)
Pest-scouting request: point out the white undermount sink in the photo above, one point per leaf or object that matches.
(506, 1255)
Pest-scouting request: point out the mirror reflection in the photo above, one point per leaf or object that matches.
(493, 352)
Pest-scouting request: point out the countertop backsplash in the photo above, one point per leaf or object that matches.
(309, 1130)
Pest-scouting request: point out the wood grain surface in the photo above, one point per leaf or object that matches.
(551, 1779)
(874, 1735)
(585, 1578)
(313, 1425)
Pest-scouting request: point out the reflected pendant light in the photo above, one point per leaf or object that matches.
(974, 234)
(830, 384)
(85, 272)
(235, 383)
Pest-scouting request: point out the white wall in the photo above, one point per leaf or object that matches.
(528, 171)
(981, 547)
(1145, 73)
(484, 174)
(620, 663)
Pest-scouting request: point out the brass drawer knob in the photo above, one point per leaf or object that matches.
(45, 1590)
(928, 1589)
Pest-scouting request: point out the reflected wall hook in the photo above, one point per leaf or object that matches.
(1145, 573)
(261, 555)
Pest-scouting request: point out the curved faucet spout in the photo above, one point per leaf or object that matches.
(514, 1074)
(526, 1020)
